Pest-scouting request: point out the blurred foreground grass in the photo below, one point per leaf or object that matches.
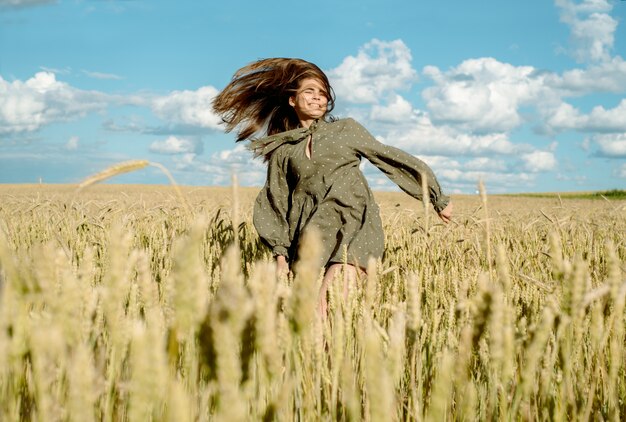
(119, 303)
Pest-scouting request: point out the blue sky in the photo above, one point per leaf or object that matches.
(528, 96)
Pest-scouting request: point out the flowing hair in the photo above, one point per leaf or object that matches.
(258, 95)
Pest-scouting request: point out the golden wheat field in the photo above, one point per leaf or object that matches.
(140, 303)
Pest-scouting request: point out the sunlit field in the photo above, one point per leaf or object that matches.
(143, 303)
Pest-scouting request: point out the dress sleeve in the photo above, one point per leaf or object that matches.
(402, 168)
(271, 208)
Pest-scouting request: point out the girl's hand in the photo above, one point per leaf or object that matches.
(282, 266)
(446, 213)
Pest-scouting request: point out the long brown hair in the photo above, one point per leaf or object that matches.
(258, 94)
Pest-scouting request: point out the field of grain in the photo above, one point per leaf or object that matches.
(142, 303)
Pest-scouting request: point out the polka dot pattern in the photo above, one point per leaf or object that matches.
(328, 190)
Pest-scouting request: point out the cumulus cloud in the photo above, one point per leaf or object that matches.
(567, 117)
(27, 106)
(460, 159)
(620, 172)
(497, 175)
(239, 155)
(458, 176)
(177, 145)
(188, 108)
(611, 145)
(607, 76)
(379, 69)
(592, 28)
(396, 111)
(484, 94)
(421, 135)
(220, 166)
(611, 120)
(539, 161)
(495, 181)
(486, 164)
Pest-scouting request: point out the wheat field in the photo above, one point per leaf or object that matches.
(143, 303)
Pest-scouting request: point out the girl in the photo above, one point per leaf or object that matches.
(313, 175)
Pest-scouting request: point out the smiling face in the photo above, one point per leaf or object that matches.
(310, 101)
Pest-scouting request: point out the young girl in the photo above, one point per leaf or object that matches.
(313, 175)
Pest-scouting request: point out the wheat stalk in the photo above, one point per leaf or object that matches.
(112, 171)
(116, 306)
(130, 166)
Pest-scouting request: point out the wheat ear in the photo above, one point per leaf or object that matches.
(127, 167)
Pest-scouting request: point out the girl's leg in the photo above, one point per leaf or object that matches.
(350, 273)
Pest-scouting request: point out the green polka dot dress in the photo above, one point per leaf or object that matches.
(328, 190)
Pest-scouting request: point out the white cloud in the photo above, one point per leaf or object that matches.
(454, 175)
(613, 119)
(486, 164)
(620, 171)
(65, 71)
(483, 95)
(379, 69)
(221, 165)
(188, 107)
(101, 75)
(435, 162)
(27, 106)
(72, 143)
(539, 161)
(420, 136)
(177, 145)
(239, 155)
(592, 28)
(611, 145)
(600, 119)
(439, 161)
(561, 117)
(460, 180)
(490, 178)
(607, 76)
(185, 161)
(396, 111)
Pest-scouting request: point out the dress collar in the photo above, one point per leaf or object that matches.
(265, 146)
